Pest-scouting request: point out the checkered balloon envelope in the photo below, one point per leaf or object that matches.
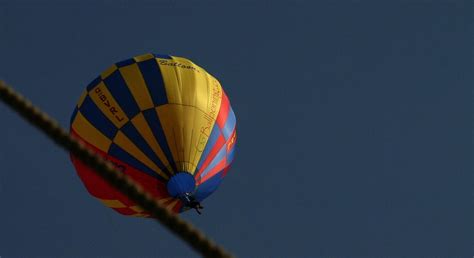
(162, 120)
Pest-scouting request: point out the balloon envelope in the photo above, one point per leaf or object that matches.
(162, 120)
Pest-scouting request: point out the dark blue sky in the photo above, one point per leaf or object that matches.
(354, 125)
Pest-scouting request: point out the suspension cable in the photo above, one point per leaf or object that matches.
(123, 183)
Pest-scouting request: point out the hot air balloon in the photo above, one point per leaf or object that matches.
(163, 121)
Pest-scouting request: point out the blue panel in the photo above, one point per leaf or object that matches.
(117, 86)
(154, 81)
(94, 83)
(131, 132)
(154, 122)
(207, 188)
(162, 56)
(125, 62)
(218, 158)
(117, 152)
(209, 145)
(95, 116)
(229, 124)
(180, 184)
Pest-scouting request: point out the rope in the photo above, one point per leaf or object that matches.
(120, 181)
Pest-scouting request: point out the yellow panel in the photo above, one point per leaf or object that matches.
(108, 72)
(89, 133)
(107, 104)
(123, 142)
(143, 128)
(188, 84)
(135, 82)
(187, 130)
(136, 208)
(143, 57)
(183, 80)
(195, 99)
(82, 98)
(113, 203)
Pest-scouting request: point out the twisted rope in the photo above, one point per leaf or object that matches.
(105, 169)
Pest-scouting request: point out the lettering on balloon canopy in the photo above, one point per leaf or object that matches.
(205, 130)
(177, 64)
(113, 110)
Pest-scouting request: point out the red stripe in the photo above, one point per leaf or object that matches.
(226, 169)
(222, 164)
(217, 147)
(223, 112)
